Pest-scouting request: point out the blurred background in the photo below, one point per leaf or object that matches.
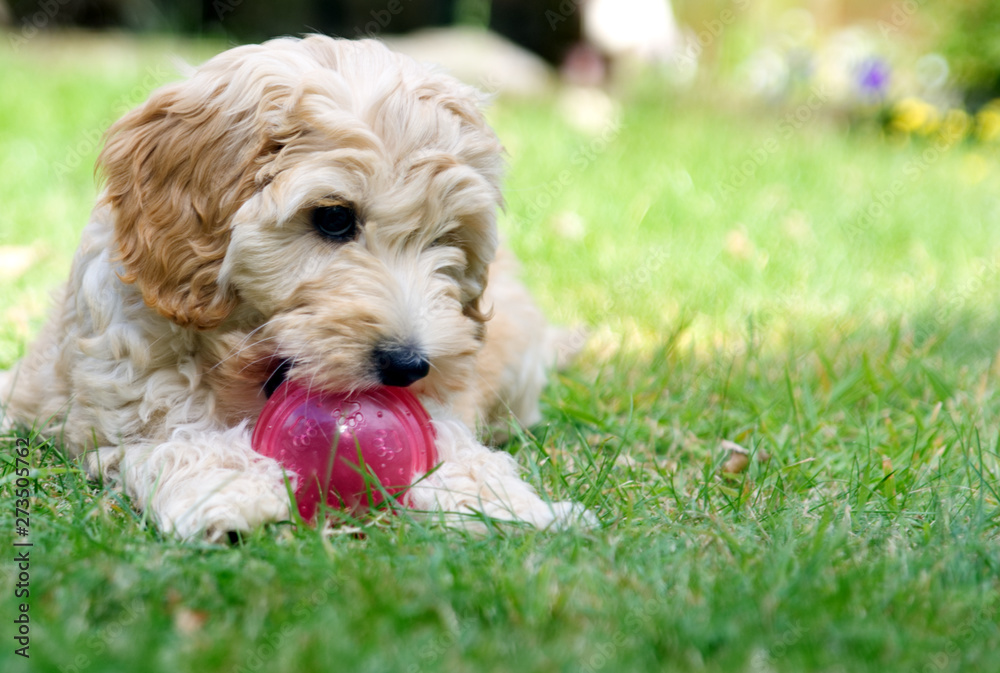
(930, 58)
(750, 162)
(780, 223)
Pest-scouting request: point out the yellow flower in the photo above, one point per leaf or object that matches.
(912, 115)
(956, 125)
(988, 122)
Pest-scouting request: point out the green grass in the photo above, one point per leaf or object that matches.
(861, 359)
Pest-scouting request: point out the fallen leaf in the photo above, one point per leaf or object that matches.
(189, 621)
(738, 458)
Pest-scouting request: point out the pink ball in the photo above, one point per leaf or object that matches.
(319, 436)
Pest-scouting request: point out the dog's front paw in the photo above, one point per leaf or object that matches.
(240, 504)
(568, 514)
(544, 515)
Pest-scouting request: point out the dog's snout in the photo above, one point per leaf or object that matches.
(400, 365)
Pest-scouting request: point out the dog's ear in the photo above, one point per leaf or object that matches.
(478, 148)
(177, 168)
(482, 151)
(476, 278)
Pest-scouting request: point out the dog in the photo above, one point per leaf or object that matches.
(315, 209)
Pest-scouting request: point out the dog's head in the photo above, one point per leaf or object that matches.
(332, 199)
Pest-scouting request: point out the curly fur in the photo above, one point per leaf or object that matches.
(199, 271)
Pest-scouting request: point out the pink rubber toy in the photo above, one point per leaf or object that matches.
(391, 429)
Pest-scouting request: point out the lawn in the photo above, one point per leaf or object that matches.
(823, 296)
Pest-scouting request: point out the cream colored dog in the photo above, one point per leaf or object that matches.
(318, 209)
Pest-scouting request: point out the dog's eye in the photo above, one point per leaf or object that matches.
(337, 223)
(447, 240)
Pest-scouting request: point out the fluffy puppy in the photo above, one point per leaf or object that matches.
(318, 209)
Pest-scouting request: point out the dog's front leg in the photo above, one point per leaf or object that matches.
(199, 483)
(473, 479)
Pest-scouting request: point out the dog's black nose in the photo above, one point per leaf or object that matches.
(400, 365)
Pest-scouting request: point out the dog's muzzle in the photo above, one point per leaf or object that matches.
(400, 365)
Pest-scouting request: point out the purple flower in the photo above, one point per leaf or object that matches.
(873, 77)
